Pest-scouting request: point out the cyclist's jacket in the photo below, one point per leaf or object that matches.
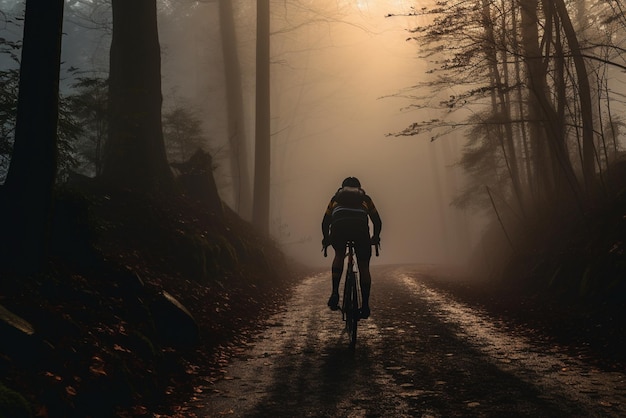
(351, 203)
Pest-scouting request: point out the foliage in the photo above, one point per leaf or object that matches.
(88, 104)
(482, 160)
(486, 51)
(8, 108)
(69, 131)
(113, 251)
(12, 404)
(183, 133)
(70, 127)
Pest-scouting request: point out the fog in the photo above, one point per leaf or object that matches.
(338, 73)
(344, 79)
(338, 68)
(337, 80)
(337, 104)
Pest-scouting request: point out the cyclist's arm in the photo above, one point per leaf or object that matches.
(374, 217)
(376, 223)
(326, 226)
(326, 221)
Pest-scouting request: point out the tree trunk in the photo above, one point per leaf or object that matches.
(584, 94)
(261, 201)
(501, 105)
(27, 200)
(236, 119)
(135, 152)
(531, 181)
(544, 120)
(506, 109)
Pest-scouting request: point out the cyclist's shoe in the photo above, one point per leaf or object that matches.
(333, 302)
(365, 312)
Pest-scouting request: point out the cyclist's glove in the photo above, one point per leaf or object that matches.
(375, 240)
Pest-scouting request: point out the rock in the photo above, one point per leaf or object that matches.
(13, 321)
(19, 341)
(197, 181)
(172, 321)
(128, 282)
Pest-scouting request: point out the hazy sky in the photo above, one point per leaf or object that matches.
(331, 122)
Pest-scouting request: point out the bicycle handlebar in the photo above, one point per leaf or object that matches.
(325, 250)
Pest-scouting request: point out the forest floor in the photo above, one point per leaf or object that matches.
(113, 251)
(97, 351)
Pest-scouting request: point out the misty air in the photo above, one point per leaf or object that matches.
(347, 208)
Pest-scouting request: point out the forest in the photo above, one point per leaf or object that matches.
(129, 269)
(538, 101)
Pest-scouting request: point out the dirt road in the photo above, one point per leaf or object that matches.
(420, 354)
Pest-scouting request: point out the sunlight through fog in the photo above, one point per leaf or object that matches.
(333, 104)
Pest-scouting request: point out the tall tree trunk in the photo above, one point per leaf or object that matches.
(501, 105)
(584, 94)
(261, 201)
(135, 152)
(506, 109)
(523, 131)
(544, 120)
(236, 119)
(27, 200)
(537, 134)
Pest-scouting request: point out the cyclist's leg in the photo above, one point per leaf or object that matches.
(339, 245)
(336, 271)
(366, 281)
(363, 256)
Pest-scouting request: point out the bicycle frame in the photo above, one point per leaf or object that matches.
(351, 304)
(352, 299)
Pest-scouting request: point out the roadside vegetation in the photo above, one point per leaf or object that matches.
(105, 342)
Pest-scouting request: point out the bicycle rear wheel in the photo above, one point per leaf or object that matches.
(351, 308)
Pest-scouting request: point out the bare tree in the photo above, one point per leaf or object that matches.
(485, 41)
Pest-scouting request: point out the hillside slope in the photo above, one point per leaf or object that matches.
(106, 339)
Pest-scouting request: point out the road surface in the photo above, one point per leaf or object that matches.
(420, 354)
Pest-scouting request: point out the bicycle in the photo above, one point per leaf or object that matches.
(351, 303)
(352, 300)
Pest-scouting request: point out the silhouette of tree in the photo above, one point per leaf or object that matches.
(236, 118)
(536, 71)
(261, 196)
(134, 154)
(88, 104)
(183, 133)
(28, 188)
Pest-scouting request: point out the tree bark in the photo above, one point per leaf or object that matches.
(546, 127)
(584, 94)
(261, 201)
(28, 189)
(135, 152)
(236, 127)
(501, 104)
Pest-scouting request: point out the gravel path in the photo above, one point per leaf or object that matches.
(419, 354)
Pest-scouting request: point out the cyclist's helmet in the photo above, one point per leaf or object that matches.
(351, 182)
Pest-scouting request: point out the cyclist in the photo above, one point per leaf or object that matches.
(346, 219)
